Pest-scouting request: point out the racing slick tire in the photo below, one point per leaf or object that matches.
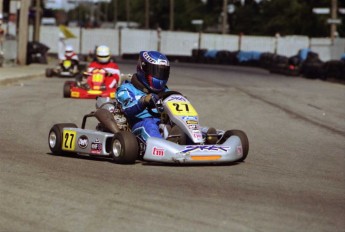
(67, 89)
(124, 148)
(244, 141)
(49, 72)
(55, 137)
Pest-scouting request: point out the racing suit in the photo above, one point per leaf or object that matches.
(142, 122)
(72, 57)
(110, 67)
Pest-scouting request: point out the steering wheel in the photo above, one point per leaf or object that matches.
(162, 96)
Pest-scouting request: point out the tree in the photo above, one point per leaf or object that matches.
(288, 17)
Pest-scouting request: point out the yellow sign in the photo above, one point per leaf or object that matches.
(68, 140)
(182, 108)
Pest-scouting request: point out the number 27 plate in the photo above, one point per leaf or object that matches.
(182, 108)
(68, 140)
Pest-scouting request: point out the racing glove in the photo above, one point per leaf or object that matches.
(149, 100)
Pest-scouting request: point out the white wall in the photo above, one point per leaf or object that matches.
(181, 43)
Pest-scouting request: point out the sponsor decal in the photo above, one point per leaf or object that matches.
(177, 98)
(162, 62)
(75, 94)
(148, 58)
(96, 147)
(152, 61)
(193, 126)
(158, 151)
(193, 148)
(83, 141)
(197, 135)
(97, 77)
(191, 122)
(190, 118)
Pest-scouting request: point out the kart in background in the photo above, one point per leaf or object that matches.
(184, 140)
(96, 85)
(67, 68)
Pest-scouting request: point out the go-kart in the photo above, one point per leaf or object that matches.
(96, 85)
(67, 68)
(184, 140)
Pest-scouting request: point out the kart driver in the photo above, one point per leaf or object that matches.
(135, 96)
(103, 61)
(141, 93)
(71, 55)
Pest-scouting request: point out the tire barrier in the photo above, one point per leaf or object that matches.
(335, 69)
(305, 63)
(312, 67)
(36, 53)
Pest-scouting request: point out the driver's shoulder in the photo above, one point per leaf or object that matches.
(126, 86)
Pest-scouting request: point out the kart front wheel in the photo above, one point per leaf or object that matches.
(67, 89)
(49, 72)
(124, 148)
(55, 137)
(244, 141)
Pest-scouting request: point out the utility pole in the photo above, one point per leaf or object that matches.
(23, 32)
(225, 16)
(147, 14)
(36, 34)
(172, 3)
(127, 12)
(1, 4)
(115, 12)
(334, 9)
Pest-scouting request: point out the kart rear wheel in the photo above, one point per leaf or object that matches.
(244, 141)
(55, 137)
(49, 72)
(124, 148)
(67, 89)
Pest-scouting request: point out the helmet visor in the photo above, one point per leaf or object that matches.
(160, 72)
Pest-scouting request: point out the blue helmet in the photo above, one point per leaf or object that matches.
(153, 70)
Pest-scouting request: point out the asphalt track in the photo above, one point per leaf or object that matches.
(292, 180)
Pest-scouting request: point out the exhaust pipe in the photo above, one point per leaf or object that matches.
(107, 119)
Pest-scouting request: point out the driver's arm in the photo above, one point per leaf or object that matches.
(130, 102)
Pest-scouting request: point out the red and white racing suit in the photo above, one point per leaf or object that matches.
(110, 67)
(73, 56)
(75, 61)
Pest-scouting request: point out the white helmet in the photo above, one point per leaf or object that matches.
(103, 54)
(69, 51)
